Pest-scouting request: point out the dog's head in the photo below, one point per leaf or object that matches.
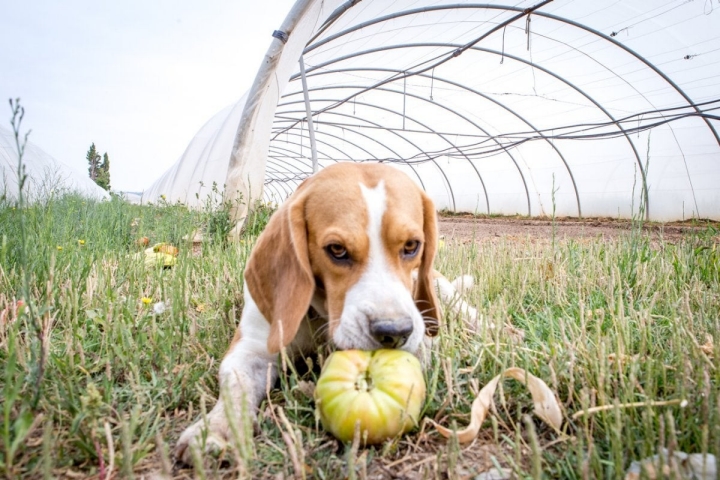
(353, 233)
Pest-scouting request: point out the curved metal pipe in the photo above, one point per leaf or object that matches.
(639, 57)
(350, 129)
(496, 102)
(377, 125)
(430, 130)
(458, 114)
(299, 144)
(339, 138)
(495, 52)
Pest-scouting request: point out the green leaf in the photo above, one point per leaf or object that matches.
(21, 428)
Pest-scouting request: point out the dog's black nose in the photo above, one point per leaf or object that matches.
(391, 333)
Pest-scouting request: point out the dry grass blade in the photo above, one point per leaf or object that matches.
(601, 408)
(293, 443)
(111, 450)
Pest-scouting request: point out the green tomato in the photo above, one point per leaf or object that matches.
(383, 390)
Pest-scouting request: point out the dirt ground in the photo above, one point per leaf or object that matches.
(465, 228)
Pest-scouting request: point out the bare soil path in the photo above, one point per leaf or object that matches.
(465, 228)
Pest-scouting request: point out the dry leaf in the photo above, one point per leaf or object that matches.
(305, 389)
(709, 346)
(621, 358)
(546, 406)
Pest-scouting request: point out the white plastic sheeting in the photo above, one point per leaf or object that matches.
(199, 174)
(46, 176)
(576, 108)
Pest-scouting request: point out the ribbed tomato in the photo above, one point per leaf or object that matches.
(382, 389)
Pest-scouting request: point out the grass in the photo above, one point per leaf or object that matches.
(106, 360)
(605, 322)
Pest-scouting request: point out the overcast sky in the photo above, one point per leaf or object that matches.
(137, 78)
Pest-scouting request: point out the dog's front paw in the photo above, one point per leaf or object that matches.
(206, 438)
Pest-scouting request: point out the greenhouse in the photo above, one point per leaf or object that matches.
(46, 177)
(543, 108)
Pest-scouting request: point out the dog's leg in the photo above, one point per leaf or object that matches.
(450, 294)
(243, 381)
(463, 283)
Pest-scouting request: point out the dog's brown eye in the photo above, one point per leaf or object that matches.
(337, 251)
(411, 248)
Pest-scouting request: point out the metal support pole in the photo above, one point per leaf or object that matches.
(308, 116)
(404, 98)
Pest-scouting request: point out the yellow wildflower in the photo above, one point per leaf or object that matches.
(146, 300)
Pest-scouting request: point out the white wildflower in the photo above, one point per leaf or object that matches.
(159, 308)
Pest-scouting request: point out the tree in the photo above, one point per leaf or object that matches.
(104, 177)
(98, 167)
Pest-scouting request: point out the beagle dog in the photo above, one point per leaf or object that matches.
(355, 243)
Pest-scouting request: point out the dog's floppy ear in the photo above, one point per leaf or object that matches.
(425, 297)
(278, 272)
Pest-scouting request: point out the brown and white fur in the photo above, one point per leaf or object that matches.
(355, 242)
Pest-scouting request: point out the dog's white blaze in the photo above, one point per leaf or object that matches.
(379, 293)
(378, 280)
(376, 201)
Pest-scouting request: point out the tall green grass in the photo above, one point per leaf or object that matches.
(105, 345)
(612, 322)
(605, 322)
